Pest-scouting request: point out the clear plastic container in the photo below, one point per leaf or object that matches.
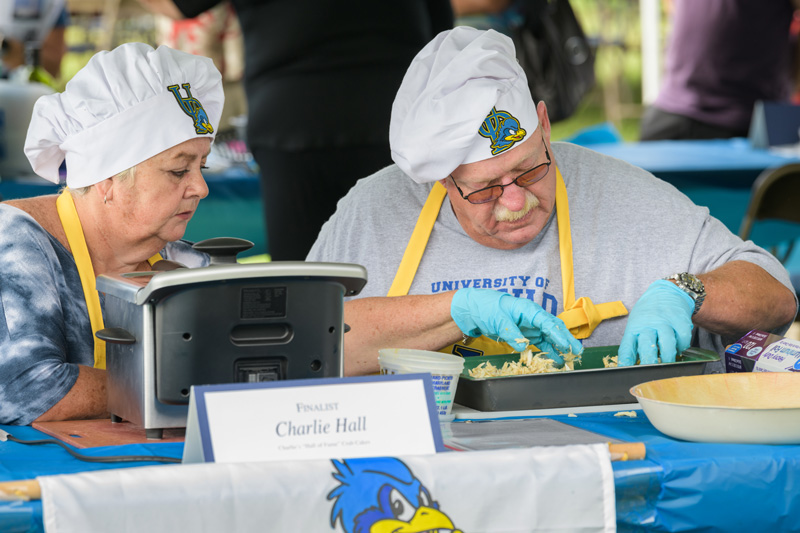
(443, 368)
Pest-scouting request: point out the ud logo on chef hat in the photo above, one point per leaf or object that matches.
(502, 129)
(192, 107)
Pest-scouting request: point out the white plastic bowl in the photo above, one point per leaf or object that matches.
(443, 368)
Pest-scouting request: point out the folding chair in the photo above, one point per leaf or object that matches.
(775, 196)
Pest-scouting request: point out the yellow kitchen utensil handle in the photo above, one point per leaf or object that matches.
(627, 451)
(25, 489)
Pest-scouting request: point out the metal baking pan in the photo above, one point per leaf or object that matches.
(589, 384)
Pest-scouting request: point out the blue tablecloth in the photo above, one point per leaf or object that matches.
(20, 461)
(680, 486)
(686, 486)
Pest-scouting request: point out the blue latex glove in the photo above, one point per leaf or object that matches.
(499, 315)
(660, 322)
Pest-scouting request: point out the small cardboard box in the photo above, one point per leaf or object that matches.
(759, 351)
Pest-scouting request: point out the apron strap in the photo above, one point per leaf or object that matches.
(583, 316)
(564, 241)
(71, 223)
(418, 241)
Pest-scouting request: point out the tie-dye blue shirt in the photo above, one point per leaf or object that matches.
(45, 331)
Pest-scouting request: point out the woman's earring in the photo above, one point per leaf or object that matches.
(105, 199)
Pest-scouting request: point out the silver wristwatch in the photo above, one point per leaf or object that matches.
(692, 286)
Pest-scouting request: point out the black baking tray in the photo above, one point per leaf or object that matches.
(589, 384)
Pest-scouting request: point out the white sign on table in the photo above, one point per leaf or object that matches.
(367, 416)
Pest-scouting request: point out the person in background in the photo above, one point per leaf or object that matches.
(320, 77)
(216, 34)
(722, 56)
(32, 36)
(135, 126)
(484, 228)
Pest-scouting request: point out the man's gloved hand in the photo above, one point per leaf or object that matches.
(660, 322)
(499, 315)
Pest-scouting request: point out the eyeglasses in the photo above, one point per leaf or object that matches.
(493, 192)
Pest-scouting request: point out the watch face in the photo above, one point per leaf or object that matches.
(692, 286)
(691, 282)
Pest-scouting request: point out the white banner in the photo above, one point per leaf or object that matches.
(543, 489)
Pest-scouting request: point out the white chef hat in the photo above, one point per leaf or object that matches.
(29, 22)
(463, 99)
(122, 108)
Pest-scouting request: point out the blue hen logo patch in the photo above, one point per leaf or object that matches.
(502, 129)
(192, 107)
(381, 495)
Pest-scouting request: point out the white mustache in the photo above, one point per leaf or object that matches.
(504, 214)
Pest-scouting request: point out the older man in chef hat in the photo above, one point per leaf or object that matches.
(483, 228)
(134, 126)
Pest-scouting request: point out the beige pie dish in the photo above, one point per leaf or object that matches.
(751, 408)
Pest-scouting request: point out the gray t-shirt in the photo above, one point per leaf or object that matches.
(45, 331)
(629, 228)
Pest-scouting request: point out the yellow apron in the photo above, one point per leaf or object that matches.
(77, 243)
(581, 317)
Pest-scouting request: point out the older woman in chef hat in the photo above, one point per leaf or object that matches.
(135, 127)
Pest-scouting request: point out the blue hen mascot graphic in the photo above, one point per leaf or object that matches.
(502, 129)
(381, 495)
